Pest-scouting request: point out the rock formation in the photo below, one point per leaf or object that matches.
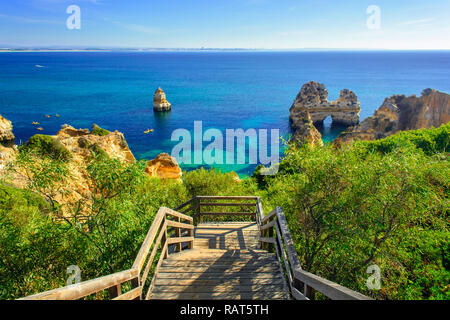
(6, 131)
(399, 113)
(159, 101)
(78, 141)
(164, 167)
(81, 145)
(7, 148)
(311, 106)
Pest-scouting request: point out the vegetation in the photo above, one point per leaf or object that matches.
(381, 203)
(47, 146)
(96, 130)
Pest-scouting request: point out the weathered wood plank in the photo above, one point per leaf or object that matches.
(227, 198)
(220, 295)
(130, 295)
(176, 214)
(330, 289)
(217, 282)
(145, 248)
(179, 240)
(268, 217)
(227, 213)
(218, 275)
(218, 269)
(83, 289)
(269, 225)
(224, 204)
(220, 288)
(154, 251)
(175, 224)
(268, 240)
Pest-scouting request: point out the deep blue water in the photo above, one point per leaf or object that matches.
(223, 89)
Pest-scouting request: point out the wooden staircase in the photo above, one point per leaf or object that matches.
(238, 254)
(226, 263)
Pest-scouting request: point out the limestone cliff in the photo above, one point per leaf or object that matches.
(7, 148)
(399, 113)
(80, 143)
(311, 106)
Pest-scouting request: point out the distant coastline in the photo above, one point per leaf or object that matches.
(6, 49)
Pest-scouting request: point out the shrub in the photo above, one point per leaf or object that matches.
(383, 202)
(47, 146)
(96, 130)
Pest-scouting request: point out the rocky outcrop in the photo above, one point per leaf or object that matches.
(8, 150)
(305, 132)
(311, 107)
(79, 141)
(164, 167)
(159, 101)
(6, 132)
(399, 113)
(81, 144)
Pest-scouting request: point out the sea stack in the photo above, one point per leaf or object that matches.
(160, 103)
(311, 107)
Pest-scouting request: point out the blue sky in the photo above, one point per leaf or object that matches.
(262, 24)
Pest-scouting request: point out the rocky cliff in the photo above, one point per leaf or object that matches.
(311, 106)
(399, 113)
(7, 148)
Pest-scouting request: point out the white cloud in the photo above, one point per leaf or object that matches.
(412, 22)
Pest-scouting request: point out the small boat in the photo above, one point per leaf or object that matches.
(40, 129)
(39, 66)
(35, 123)
(47, 116)
(148, 131)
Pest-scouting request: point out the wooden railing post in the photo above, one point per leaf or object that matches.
(179, 236)
(115, 291)
(164, 238)
(199, 210)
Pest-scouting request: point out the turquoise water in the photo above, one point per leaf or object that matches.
(226, 90)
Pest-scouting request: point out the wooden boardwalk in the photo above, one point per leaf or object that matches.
(225, 263)
(184, 258)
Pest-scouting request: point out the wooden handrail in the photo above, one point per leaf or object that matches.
(302, 284)
(274, 233)
(157, 239)
(86, 288)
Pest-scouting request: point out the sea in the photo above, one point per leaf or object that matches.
(222, 89)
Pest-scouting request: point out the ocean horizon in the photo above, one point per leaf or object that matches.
(223, 89)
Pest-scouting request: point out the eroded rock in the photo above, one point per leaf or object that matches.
(160, 102)
(164, 167)
(399, 113)
(311, 106)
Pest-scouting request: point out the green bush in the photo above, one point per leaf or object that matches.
(430, 141)
(96, 130)
(383, 202)
(47, 146)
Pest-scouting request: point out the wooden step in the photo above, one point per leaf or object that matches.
(218, 269)
(217, 275)
(220, 296)
(241, 288)
(226, 263)
(219, 281)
